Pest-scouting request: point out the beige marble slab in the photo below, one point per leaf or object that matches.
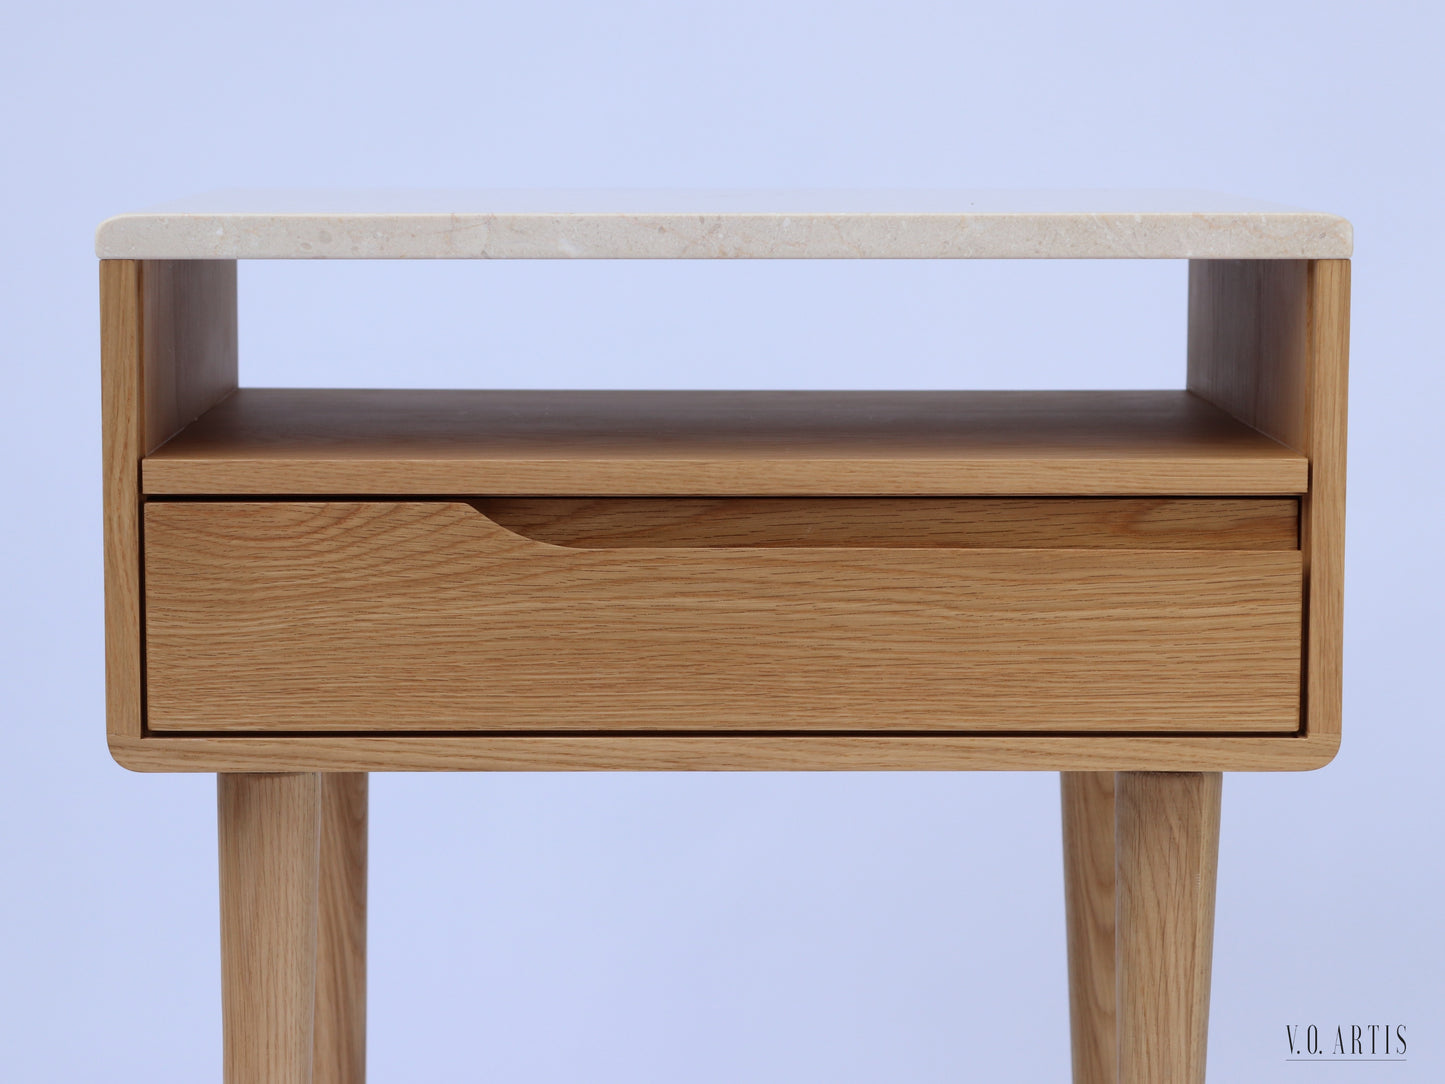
(716, 224)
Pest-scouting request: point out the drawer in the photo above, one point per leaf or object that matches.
(515, 616)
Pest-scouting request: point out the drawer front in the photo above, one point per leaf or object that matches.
(416, 616)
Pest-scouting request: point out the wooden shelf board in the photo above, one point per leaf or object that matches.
(753, 443)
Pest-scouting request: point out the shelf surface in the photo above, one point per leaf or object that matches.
(723, 224)
(720, 443)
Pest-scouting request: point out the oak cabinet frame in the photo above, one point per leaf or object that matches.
(1268, 344)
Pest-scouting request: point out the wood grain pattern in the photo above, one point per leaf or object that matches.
(123, 445)
(735, 443)
(1167, 848)
(1248, 349)
(1323, 527)
(340, 1043)
(1323, 316)
(397, 616)
(168, 354)
(189, 342)
(721, 753)
(269, 833)
(1087, 801)
(1269, 343)
(920, 522)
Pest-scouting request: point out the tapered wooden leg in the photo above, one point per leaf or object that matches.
(341, 932)
(269, 829)
(1167, 849)
(1088, 815)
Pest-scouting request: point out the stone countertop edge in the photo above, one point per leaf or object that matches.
(1244, 233)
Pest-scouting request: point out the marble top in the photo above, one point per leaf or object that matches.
(721, 224)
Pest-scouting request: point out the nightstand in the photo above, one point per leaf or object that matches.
(1137, 589)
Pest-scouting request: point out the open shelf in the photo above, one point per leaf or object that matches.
(756, 443)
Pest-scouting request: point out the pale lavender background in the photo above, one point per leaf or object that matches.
(713, 928)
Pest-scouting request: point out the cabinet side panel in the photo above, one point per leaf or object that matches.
(168, 353)
(189, 342)
(1322, 520)
(1248, 343)
(120, 347)
(1269, 343)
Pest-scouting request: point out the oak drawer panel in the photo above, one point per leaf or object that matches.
(410, 616)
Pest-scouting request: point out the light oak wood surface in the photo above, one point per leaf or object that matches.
(1087, 801)
(1248, 348)
(862, 752)
(123, 445)
(394, 616)
(917, 522)
(1269, 343)
(340, 1031)
(1323, 529)
(269, 833)
(168, 353)
(1167, 847)
(1321, 323)
(189, 343)
(716, 443)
